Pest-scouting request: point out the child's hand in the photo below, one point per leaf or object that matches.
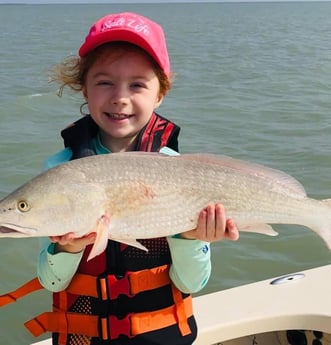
(213, 226)
(68, 243)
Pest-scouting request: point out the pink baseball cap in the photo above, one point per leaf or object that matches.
(133, 28)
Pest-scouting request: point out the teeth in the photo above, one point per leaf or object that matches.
(118, 116)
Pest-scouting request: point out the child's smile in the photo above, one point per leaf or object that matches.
(122, 91)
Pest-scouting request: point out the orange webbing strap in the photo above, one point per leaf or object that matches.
(149, 279)
(83, 284)
(181, 310)
(131, 284)
(61, 322)
(62, 305)
(25, 289)
(152, 321)
(107, 328)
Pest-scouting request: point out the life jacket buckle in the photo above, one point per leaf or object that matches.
(111, 327)
(109, 287)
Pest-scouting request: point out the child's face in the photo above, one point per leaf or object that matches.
(122, 91)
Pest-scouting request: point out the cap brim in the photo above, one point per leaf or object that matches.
(117, 35)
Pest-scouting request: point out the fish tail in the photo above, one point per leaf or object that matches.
(325, 231)
(327, 201)
(325, 234)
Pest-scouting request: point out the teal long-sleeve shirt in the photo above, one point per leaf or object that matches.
(189, 271)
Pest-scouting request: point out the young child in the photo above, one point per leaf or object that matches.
(125, 295)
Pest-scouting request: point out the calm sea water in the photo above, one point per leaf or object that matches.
(253, 81)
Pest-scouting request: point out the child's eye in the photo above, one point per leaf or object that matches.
(104, 82)
(137, 85)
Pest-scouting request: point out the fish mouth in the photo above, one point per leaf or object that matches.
(12, 230)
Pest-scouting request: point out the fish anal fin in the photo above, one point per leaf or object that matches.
(130, 242)
(261, 228)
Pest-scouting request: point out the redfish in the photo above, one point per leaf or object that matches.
(135, 195)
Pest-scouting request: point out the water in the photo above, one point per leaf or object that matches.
(253, 81)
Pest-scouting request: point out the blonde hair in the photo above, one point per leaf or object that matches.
(72, 71)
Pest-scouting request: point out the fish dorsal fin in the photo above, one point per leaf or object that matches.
(281, 178)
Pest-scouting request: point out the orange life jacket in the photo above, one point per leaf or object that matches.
(105, 288)
(121, 276)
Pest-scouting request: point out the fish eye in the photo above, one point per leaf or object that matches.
(23, 206)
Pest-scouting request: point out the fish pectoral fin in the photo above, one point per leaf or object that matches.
(130, 242)
(101, 240)
(261, 228)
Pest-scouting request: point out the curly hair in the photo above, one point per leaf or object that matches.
(72, 71)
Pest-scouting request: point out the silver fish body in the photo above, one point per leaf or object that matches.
(134, 195)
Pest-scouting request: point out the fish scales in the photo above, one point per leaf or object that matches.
(129, 196)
